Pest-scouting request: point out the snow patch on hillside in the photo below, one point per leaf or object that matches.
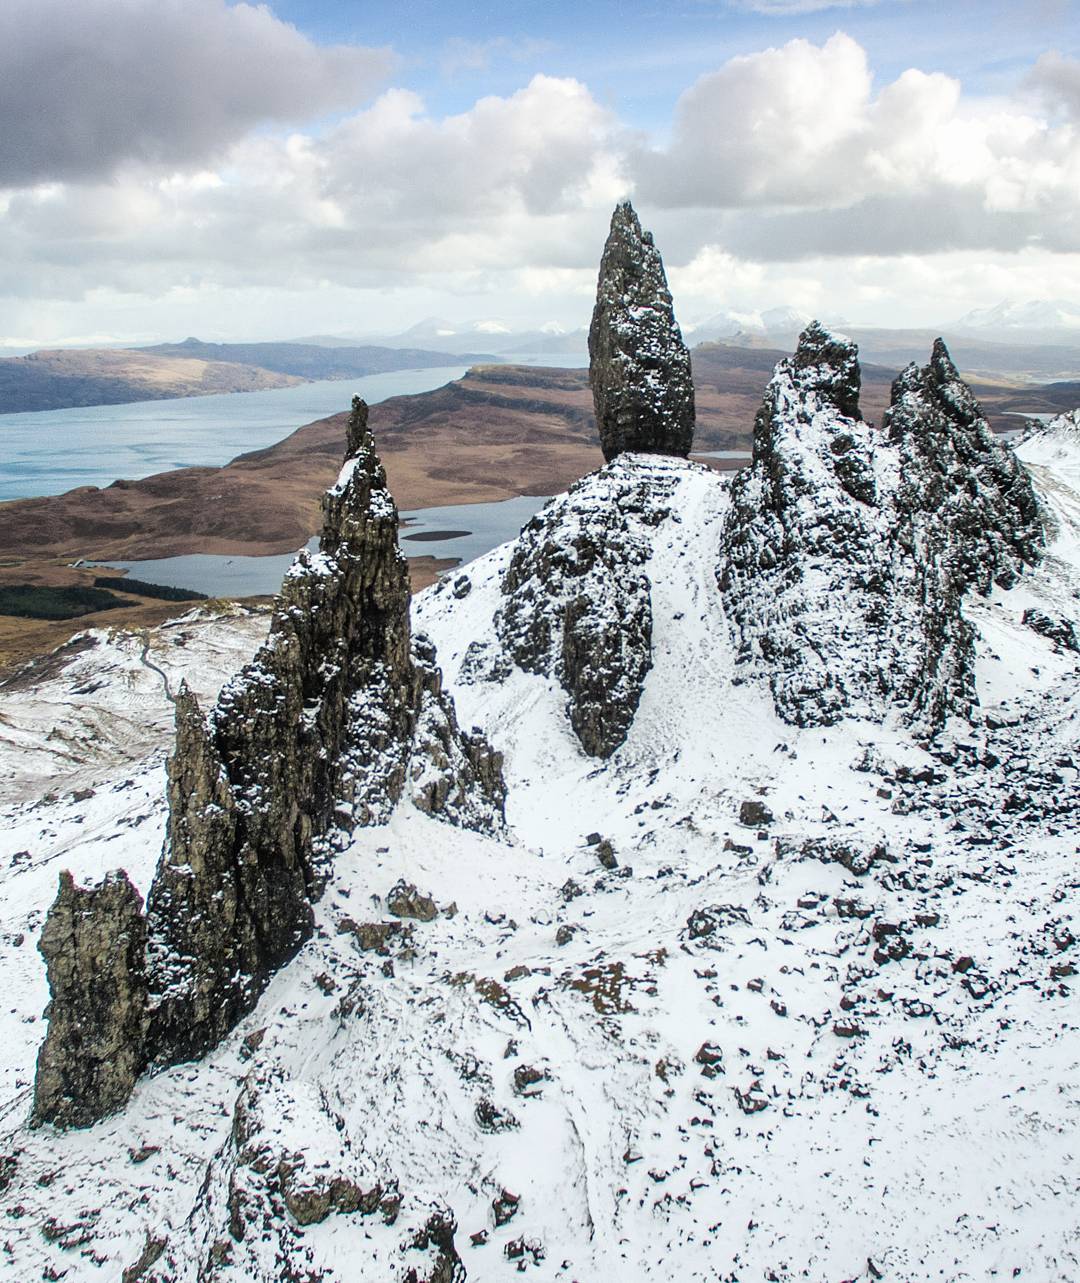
(831, 1035)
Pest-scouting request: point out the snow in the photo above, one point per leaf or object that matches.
(919, 1111)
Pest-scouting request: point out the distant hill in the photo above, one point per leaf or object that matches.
(459, 339)
(59, 379)
(977, 355)
(316, 360)
(499, 431)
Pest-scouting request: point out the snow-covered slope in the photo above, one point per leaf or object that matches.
(806, 1011)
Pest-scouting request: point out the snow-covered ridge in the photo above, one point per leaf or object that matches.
(849, 551)
(805, 1010)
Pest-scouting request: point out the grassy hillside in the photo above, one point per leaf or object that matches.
(59, 379)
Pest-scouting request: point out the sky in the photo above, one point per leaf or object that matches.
(241, 171)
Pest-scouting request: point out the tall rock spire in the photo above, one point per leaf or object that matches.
(639, 365)
(339, 716)
(93, 943)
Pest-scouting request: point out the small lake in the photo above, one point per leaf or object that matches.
(425, 532)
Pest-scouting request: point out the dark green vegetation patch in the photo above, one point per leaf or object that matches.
(122, 584)
(32, 601)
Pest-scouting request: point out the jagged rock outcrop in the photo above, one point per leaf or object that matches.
(953, 473)
(339, 714)
(93, 942)
(578, 598)
(290, 1163)
(218, 925)
(848, 551)
(639, 365)
(1055, 628)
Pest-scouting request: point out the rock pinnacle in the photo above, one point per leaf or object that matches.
(639, 365)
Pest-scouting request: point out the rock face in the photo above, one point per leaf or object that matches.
(217, 926)
(954, 474)
(338, 716)
(578, 597)
(93, 943)
(848, 551)
(639, 364)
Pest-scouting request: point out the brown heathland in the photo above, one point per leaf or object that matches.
(499, 431)
(56, 378)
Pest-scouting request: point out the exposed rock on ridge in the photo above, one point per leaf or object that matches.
(578, 596)
(954, 472)
(339, 714)
(93, 942)
(578, 603)
(848, 551)
(639, 364)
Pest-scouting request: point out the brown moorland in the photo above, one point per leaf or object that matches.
(57, 378)
(499, 431)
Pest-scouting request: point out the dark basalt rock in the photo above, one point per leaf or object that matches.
(578, 597)
(954, 472)
(847, 551)
(964, 516)
(93, 942)
(218, 926)
(803, 536)
(639, 365)
(339, 715)
(1056, 628)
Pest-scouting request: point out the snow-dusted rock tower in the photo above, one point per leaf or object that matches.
(848, 550)
(338, 716)
(578, 596)
(639, 365)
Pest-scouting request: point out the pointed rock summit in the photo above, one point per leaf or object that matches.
(848, 551)
(639, 367)
(339, 716)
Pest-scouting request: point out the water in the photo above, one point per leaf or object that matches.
(50, 451)
(489, 524)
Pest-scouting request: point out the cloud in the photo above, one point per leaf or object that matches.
(89, 86)
(461, 56)
(783, 172)
(1057, 79)
(797, 135)
(388, 195)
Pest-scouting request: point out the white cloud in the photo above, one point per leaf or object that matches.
(789, 178)
(391, 194)
(1057, 79)
(88, 86)
(461, 56)
(894, 290)
(797, 135)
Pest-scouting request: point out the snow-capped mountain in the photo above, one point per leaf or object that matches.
(1035, 314)
(735, 941)
(781, 324)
